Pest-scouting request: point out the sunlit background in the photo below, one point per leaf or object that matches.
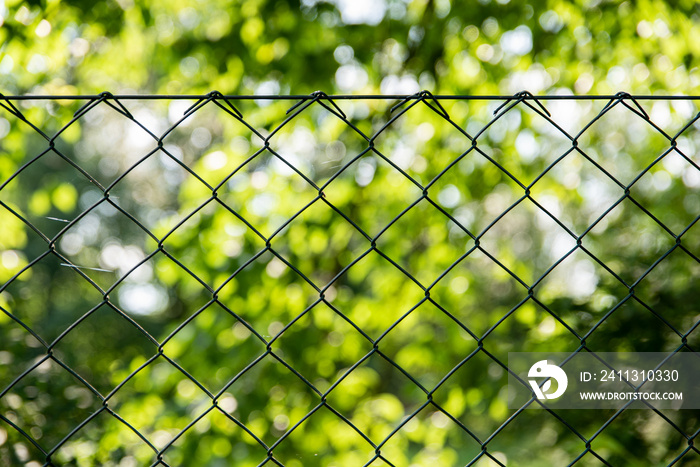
(397, 46)
(161, 281)
(162, 264)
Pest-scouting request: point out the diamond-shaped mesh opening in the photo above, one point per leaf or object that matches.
(258, 193)
(371, 206)
(193, 248)
(270, 410)
(35, 402)
(449, 443)
(666, 289)
(316, 142)
(535, 328)
(245, 295)
(102, 346)
(48, 311)
(474, 205)
(579, 290)
(524, 143)
(90, 437)
(175, 401)
(210, 141)
(192, 297)
(576, 192)
(375, 397)
(521, 241)
(407, 141)
(215, 438)
(623, 143)
(319, 242)
(475, 405)
(487, 208)
(649, 424)
(663, 193)
(542, 436)
(632, 315)
(334, 346)
(495, 292)
(13, 361)
(381, 280)
(53, 203)
(100, 150)
(160, 181)
(427, 343)
(339, 284)
(216, 336)
(305, 442)
(628, 241)
(424, 242)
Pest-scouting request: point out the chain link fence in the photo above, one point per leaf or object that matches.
(338, 280)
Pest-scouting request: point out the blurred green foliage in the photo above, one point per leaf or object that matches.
(190, 288)
(242, 47)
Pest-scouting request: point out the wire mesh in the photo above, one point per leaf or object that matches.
(228, 280)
